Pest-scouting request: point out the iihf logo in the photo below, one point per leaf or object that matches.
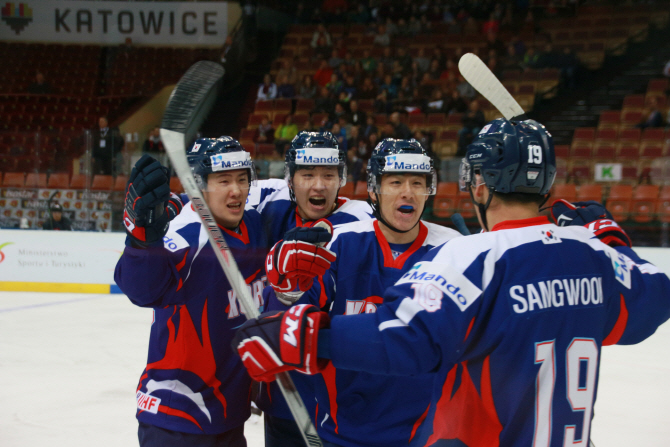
(17, 16)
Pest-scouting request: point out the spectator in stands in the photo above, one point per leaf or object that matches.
(284, 88)
(391, 27)
(334, 86)
(267, 90)
(367, 90)
(335, 60)
(434, 71)
(568, 64)
(473, 120)
(390, 87)
(492, 25)
(511, 61)
(288, 69)
(153, 142)
(437, 104)
(356, 116)
(456, 104)
(404, 59)
(426, 140)
(358, 156)
(370, 127)
(382, 103)
(349, 87)
(422, 62)
(361, 15)
(321, 41)
(465, 89)
(323, 74)
(107, 145)
(368, 62)
(324, 103)
(400, 129)
(450, 70)
(284, 134)
(56, 220)
(387, 59)
(340, 135)
(382, 38)
(652, 116)
(414, 26)
(40, 86)
(548, 57)
(264, 132)
(307, 88)
(339, 112)
(495, 44)
(530, 59)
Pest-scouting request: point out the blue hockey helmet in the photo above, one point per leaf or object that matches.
(511, 157)
(309, 149)
(400, 157)
(208, 155)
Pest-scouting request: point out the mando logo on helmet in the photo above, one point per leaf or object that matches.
(393, 163)
(303, 158)
(219, 163)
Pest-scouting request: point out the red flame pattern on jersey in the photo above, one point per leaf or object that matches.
(466, 415)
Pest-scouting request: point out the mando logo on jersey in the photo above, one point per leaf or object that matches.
(450, 282)
(557, 293)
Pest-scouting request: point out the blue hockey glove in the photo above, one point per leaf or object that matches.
(149, 204)
(593, 216)
(282, 341)
(295, 261)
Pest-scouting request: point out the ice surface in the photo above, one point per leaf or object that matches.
(69, 366)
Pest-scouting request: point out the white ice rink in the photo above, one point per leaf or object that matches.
(69, 365)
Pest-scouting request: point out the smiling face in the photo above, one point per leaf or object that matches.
(402, 198)
(226, 196)
(315, 191)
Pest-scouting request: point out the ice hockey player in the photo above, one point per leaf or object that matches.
(194, 390)
(359, 408)
(511, 321)
(315, 170)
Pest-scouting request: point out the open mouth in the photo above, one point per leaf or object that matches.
(406, 210)
(235, 206)
(317, 201)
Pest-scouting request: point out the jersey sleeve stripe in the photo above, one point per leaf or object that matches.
(405, 312)
(619, 327)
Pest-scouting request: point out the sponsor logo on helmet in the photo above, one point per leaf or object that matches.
(231, 160)
(407, 163)
(196, 147)
(317, 157)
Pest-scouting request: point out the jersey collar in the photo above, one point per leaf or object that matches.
(511, 224)
(243, 235)
(399, 262)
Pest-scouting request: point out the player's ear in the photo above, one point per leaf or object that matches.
(480, 192)
(372, 197)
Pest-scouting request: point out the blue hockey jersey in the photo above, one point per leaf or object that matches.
(359, 408)
(511, 322)
(264, 188)
(193, 382)
(279, 213)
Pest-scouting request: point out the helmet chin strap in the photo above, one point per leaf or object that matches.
(377, 211)
(482, 207)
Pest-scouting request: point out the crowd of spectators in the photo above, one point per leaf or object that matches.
(400, 82)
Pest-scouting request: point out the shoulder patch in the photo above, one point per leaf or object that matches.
(450, 282)
(550, 237)
(622, 265)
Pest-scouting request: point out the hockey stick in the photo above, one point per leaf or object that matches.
(459, 223)
(482, 79)
(187, 108)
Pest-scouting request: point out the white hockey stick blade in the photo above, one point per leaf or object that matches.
(482, 79)
(187, 108)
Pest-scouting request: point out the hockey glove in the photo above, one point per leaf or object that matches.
(149, 205)
(593, 216)
(282, 341)
(294, 262)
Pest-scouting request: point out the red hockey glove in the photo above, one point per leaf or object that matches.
(282, 341)
(149, 205)
(295, 261)
(593, 216)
